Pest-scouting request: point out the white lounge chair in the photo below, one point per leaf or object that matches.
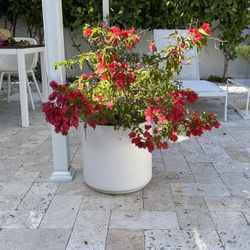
(246, 84)
(190, 75)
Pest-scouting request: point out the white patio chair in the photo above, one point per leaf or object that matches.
(190, 74)
(9, 66)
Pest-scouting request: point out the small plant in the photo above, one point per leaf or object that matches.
(128, 91)
(244, 51)
(214, 78)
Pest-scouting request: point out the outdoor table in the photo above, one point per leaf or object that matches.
(243, 83)
(21, 52)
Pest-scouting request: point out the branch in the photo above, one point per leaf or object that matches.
(216, 27)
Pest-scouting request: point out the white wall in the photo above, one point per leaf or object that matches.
(212, 63)
(211, 59)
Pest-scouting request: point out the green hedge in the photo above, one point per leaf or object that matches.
(230, 17)
(147, 14)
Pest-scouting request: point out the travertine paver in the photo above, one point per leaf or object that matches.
(173, 177)
(76, 187)
(207, 157)
(189, 203)
(9, 202)
(232, 167)
(119, 239)
(238, 183)
(202, 240)
(19, 184)
(210, 145)
(38, 197)
(3, 154)
(176, 163)
(239, 154)
(143, 220)
(5, 176)
(195, 220)
(158, 167)
(35, 140)
(39, 239)
(182, 240)
(199, 197)
(233, 229)
(2, 185)
(225, 139)
(204, 172)
(107, 202)
(190, 146)
(228, 204)
(62, 212)
(200, 189)
(90, 230)
(247, 215)
(164, 239)
(157, 194)
(20, 219)
(240, 134)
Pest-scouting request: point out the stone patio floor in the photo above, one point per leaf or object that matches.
(199, 197)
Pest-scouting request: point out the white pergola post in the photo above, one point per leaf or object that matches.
(54, 43)
(105, 11)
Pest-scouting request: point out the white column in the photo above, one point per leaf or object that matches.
(105, 10)
(54, 43)
(45, 88)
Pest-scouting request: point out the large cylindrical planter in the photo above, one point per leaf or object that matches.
(111, 164)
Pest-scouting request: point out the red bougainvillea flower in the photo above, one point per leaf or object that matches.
(190, 95)
(87, 32)
(84, 76)
(173, 137)
(149, 115)
(109, 105)
(164, 145)
(206, 28)
(216, 124)
(196, 35)
(104, 26)
(115, 30)
(147, 127)
(99, 98)
(132, 134)
(152, 47)
(54, 85)
(199, 34)
(132, 31)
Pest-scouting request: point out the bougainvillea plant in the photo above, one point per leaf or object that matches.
(126, 90)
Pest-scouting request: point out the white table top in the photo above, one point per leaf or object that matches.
(241, 82)
(11, 50)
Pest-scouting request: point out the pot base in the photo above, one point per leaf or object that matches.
(118, 192)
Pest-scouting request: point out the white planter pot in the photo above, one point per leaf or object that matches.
(111, 164)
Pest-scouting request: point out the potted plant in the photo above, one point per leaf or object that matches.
(130, 105)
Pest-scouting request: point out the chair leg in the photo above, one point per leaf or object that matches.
(247, 106)
(30, 94)
(9, 87)
(37, 87)
(1, 80)
(225, 111)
